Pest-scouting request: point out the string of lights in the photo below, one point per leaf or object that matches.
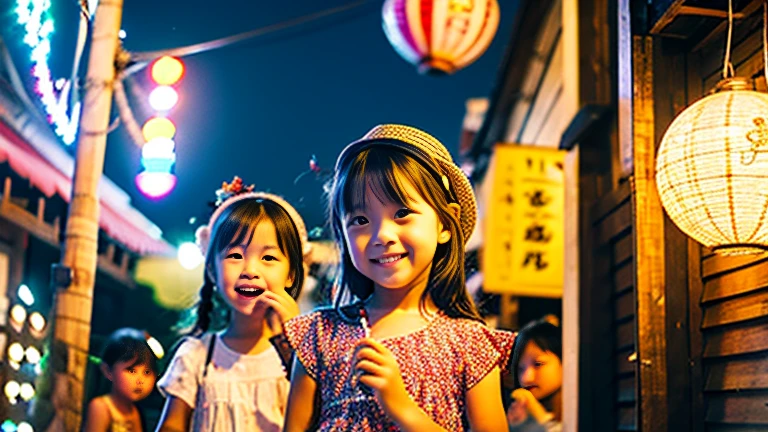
(38, 25)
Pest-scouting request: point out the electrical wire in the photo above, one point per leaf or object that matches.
(230, 40)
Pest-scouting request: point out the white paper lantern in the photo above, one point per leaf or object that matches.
(712, 169)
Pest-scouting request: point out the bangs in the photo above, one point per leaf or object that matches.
(385, 173)
(238, 229)
(142, 357)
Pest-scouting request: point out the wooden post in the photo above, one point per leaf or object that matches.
(649, 249)
(73, 304)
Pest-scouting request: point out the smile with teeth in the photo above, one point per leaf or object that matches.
(249, 291)
(389, 259)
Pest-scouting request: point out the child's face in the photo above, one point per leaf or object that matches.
(539, 371)
(134, 382)
(391, 244)
(243, 272)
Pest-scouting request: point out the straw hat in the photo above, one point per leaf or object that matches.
(432, 154)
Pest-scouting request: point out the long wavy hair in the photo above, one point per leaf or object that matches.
(386, 171)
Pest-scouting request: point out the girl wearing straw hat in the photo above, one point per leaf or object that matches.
(403, 347)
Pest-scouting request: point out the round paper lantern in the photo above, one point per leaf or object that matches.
(712, 169)
(440, 36)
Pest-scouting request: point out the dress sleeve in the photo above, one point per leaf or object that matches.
(302, 333)
(491, 348)
(181, 378)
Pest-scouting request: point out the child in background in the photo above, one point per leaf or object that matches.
(538, 369)
(404, 348)
(131, 365)
(234, 379)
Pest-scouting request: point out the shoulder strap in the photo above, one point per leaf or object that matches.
(209, 355)
(113, 412)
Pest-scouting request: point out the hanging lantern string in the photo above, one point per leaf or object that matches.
(765, 40)
(727, 66)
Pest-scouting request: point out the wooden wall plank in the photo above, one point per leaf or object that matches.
(740, 339)
(739, 374)
(625, 335)
(610, 203)
(743, 308)
(721, 264)
(625, 365)
(623, 250)
(624, 308)
(738, 282)
(624, 279)
(736, 428)
(738, 408)
(615, 225)
(627, 419)
(625, 389)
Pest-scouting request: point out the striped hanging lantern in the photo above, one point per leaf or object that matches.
(440, 36)
(712, 169)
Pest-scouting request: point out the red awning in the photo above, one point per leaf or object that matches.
(25, 161)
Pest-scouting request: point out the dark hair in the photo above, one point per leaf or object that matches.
(128, 344)
(236, 224)
(546, 336)
(386, 171)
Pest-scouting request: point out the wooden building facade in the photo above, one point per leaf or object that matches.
(663, 334)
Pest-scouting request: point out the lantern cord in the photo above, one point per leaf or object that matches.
(229, 40)
(727, 67)
(765, 40)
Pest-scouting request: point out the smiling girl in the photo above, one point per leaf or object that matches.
(234, 379)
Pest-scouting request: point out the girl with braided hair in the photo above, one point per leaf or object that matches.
(235, 379)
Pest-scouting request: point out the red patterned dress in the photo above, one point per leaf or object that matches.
(439, 364)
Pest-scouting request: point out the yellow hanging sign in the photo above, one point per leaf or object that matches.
(524, 245)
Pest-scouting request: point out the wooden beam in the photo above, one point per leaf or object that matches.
(696, 338)
(649, 245)
(667, 17)
(707, 12)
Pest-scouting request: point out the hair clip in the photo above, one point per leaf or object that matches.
(228, 190)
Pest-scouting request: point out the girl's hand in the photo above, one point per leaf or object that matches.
(517, 412)
(281, 302)
(534, 407)
(377, 368)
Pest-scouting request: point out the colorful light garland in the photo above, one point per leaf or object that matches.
(158, 154)
(34, 17)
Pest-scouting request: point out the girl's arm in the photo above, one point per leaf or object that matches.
(302, 400)
(175, 417)
(484, 408)
(98, 418)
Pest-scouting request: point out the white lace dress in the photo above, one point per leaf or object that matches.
(238, 392)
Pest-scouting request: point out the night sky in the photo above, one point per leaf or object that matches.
(260, 109)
